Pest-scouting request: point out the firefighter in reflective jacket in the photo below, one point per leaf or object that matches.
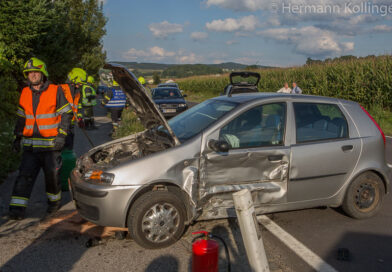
(44, 116)
(72, 92)
(88, 98)
(115, 100)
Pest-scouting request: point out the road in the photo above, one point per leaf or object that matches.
(59, 243)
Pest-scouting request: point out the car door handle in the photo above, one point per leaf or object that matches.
(347, 147)
(275, 157)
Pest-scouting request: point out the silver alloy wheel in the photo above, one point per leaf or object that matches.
(160, 222)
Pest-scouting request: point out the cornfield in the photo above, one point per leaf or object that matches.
(366, 80)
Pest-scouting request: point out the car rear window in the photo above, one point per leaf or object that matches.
(318, 122)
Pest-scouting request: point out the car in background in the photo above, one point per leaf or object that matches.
(169, 100)
(291, 152)
(242, 82)
(168, 84)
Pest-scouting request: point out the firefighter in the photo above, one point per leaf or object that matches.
(88, 97)
(91, 81)
(72, 91)
(142, 80)
(115, 100)
(44, 116)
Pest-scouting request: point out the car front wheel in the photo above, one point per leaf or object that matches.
(364, 196)
(156, 219)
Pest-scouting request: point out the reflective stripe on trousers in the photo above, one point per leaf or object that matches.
(19, 201)
(54, 198)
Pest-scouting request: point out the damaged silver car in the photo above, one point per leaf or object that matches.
(291, 152)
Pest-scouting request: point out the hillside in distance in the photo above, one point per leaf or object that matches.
(184, 70)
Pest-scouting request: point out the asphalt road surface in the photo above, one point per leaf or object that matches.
(59, 243)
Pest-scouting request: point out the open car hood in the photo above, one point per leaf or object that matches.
(142, 104)
(244, 78)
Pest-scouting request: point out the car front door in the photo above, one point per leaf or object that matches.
(257, 157)
(324, 155)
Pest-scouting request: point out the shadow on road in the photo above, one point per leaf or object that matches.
(165, 263)
(58, 248)
(358, 251)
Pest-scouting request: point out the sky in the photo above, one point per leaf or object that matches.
(274, 33)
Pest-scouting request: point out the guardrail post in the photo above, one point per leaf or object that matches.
(250, 231)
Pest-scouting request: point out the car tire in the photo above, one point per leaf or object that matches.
(156, 219)
(364, 196)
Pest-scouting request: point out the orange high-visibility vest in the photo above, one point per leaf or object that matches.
(73, 101)
(46, 117)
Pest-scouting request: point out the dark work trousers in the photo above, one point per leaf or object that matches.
(116, 114)
(32, 162)
(69, 140)
(88, 116)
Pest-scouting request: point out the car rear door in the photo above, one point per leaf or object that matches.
(323, 155)
(257, 158)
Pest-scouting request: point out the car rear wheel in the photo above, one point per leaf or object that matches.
(364, 196)
(156, 219)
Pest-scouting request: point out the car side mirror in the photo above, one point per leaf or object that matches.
(219, 146)
(184, 95)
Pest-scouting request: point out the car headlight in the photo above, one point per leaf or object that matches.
(181, 105)
(99, 177)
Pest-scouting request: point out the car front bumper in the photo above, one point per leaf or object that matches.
(104, 205)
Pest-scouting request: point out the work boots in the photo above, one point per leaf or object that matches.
(53, 207)
(16, 213)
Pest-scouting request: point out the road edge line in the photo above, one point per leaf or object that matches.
(292, 243)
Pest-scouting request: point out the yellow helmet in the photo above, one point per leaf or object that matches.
(90, 79)
(142, 80)
(115, 83)
(35, 64)
(77, 75)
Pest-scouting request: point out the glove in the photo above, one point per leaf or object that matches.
(59, 142)
(81, 123)
(16, 145)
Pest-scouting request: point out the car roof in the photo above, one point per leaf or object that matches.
(166, 88)
(251, 97)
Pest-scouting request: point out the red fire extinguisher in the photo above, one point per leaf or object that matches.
(205, 253)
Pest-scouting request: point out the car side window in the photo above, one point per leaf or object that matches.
(260, 126)
(317, 122)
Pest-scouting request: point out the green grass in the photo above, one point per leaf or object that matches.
(129, 125)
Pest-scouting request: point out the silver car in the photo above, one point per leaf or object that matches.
(291, 151)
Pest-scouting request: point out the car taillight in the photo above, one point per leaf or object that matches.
(374, 121)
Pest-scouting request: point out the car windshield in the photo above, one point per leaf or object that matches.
(161, 93)
(198, 118)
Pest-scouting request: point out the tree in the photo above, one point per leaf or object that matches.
(63, 33)
(156, 78)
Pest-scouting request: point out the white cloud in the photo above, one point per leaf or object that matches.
(164, 29)
(382, 28)
(231, 42)
(197, 36)
(157, 53)
(309, 40)
(189, 59)
(153, 53)
(247, 23)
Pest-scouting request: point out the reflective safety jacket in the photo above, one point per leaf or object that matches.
(72, 94)
(42, 115)
(88, 96)
(116, 99)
